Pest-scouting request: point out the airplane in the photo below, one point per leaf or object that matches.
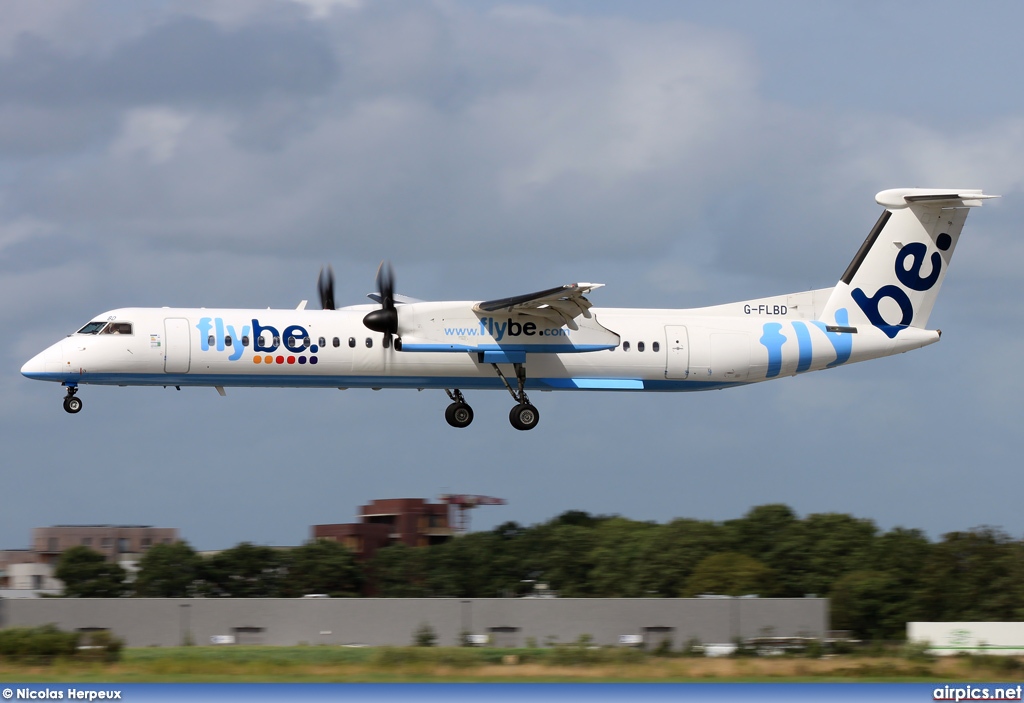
(550, 340)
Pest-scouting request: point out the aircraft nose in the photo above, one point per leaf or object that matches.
(34, 367)
(44, 365)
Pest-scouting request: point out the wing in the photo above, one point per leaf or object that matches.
(561, 305)
(398, 298)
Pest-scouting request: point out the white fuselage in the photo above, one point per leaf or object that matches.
(657, 350)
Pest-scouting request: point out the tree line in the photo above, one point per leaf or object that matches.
(877, 581)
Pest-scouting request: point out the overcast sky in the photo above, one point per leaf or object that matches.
(217, 152)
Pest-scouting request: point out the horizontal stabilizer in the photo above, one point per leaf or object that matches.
(898, 198)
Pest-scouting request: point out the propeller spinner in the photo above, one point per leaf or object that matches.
(384, 320)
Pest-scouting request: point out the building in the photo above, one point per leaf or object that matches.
(29, 573)
(410, 521)
(950, 638)
(115, 542)
(24, 575)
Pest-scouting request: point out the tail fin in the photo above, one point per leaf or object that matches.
(894, 279)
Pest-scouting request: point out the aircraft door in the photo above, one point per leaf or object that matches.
(178, 347)
(677, 358)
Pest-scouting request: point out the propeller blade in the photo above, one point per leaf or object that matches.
(386, 284)
(384, 320)
(325, 285)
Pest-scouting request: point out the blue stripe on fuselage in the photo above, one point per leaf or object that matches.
(318, 381)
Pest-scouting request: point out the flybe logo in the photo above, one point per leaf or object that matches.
(215, 335)
(909, 262)
(499, 330)
(773, 340)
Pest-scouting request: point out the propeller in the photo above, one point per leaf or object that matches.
(325, 284)
(384, 320)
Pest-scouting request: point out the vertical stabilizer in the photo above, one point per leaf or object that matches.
(894, 279)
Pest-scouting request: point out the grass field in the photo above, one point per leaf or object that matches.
(327, 664)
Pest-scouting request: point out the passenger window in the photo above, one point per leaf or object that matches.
(305, 342)
(263, 341)
(211, 340)
(291, 342)
(323, 343)
(639, 346)
(655, 346)
(369, 342)
(227, 341)
(625, 346)
(277, 340)
(337, 342)
(245, 340)
(352, 342)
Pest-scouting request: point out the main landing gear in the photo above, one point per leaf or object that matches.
(524, 416)
(458, 414)
(72, 403)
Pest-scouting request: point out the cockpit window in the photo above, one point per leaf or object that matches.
(118, 328)
(92, 328)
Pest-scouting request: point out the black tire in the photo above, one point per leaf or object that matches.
(72, 404)
(524, 416)
(458, 415)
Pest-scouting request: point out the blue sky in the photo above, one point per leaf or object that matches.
(218, 153)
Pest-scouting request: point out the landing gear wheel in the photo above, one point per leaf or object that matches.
(458, 415)
(72, 404)
(524, 416)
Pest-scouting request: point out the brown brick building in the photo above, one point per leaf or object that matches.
(112, 541)
(410, 521)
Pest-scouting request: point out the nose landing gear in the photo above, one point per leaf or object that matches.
(72, 403)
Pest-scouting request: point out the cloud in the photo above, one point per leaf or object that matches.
(216, 152)
(442, 132)
(183, 61)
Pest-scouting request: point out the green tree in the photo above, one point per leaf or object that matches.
(244, 571)
(569, 560)
(87, 574)
(671, 553)
(168, 571)
(617, 557)
(579, 518)
(731, 574)
(838, 544)
(757, 533)
(973, 575)
(809, 555)
(470, 566)
(902, 555)
(869, 604)
(322, 566)
(399, 571)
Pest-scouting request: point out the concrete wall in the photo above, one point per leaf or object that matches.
(144, 622)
